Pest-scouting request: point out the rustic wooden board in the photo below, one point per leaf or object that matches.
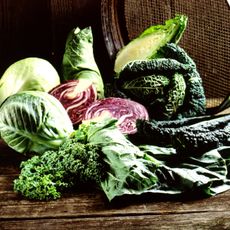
(204, 221)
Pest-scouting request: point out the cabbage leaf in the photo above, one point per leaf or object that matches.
(147, 44)
(33, 121)
(78, 59)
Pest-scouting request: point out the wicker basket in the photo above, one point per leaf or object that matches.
(206, 39)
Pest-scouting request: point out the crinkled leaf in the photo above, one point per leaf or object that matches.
(206, 174)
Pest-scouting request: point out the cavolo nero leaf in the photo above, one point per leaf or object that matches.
(33, 121)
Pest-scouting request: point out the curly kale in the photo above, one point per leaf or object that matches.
(48, 175)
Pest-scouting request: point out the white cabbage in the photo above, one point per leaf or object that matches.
(30, 73)
(33, 121)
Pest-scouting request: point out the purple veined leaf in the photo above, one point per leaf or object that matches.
(124, 110)
(75, 96)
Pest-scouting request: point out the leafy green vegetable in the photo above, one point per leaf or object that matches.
(46, 176)
(129, 172)
(78, 60)
(199, 176)
(202, 136)
(157, 170)
(195, 100)
(181, 92)
(176, 95)
(164, 66)
(90, 155)
(33, 121)
(99, 154)
(153, 85)
(28, 74)
(147, 44)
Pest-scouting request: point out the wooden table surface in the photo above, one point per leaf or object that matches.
(90, 209)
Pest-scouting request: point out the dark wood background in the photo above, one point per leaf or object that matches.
(40, 27)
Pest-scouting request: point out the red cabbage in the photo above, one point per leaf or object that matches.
(124, 110)
(75, 96)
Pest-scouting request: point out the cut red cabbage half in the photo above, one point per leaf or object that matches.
(124, 110)
(75, 96)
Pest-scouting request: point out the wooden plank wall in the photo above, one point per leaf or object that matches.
(40, 27)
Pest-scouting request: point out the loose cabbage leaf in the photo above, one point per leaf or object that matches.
(203, 175)
(129, 172)
(78, 60)
(33, 121)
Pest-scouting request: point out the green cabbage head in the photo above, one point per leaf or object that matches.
(33, 121)
(30, 73)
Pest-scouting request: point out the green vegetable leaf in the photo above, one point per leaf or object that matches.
(78, 60)
(46, 176)
(128, 171)
(147, 88)
(100, 153)
(183, 96)
(136, 170)
(33, 121)
(147, 44)
(204, 175)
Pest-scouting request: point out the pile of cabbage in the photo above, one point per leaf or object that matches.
(39, 108)
(43, 107)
